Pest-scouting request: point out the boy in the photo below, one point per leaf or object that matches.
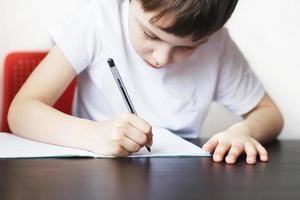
(174, 58)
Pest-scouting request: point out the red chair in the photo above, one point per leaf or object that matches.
(17, 67)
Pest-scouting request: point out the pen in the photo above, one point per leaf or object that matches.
(122, 88)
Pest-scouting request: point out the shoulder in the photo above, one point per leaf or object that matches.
(104, 9)
(108, 12)
(213, 49)
(109, 6)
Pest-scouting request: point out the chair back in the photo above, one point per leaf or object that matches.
(17, 67)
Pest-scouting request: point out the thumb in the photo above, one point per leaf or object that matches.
(211, 144)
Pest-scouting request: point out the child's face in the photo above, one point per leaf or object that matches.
(157, 47)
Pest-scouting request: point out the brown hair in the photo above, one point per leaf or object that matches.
(198, 18)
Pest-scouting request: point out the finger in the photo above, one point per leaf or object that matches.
(119, 151)
(137, 136)
(251, 153)
(137, 122)
(220, 151)
(130, 145)
(211, 144)
(149, 140)
(263, 154)
(234, 152)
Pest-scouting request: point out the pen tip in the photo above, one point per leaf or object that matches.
(149, 149)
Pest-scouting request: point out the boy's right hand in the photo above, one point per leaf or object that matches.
(119, 136)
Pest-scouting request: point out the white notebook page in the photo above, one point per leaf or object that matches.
(165, 144)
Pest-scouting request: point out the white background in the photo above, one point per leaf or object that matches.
(267, 31)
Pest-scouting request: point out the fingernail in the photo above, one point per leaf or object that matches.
(230, 159)
(217, 157)
(251, 161)
(264, 158)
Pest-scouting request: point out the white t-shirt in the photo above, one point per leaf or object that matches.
(176, 97)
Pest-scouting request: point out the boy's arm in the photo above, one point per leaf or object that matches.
(264, 121)
(260, 125)
(31, 115)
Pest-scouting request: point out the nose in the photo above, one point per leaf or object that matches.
(162, 55)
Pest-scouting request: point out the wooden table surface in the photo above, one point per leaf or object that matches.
(154, 178)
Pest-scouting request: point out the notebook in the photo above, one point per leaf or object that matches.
(165, 144)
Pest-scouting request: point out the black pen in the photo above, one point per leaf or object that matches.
(122, 88)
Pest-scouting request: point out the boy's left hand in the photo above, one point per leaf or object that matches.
(233, 142)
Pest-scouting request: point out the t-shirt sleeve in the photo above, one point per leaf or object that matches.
(78, 37)
(238, 88)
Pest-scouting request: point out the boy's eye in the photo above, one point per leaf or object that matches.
(148, 37)
(187, 48)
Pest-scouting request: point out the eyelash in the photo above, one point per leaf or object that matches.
(187, 48)
(147, 36)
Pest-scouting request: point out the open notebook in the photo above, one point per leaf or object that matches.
(165, 144)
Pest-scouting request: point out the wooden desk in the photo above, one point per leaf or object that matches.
(155, 178)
